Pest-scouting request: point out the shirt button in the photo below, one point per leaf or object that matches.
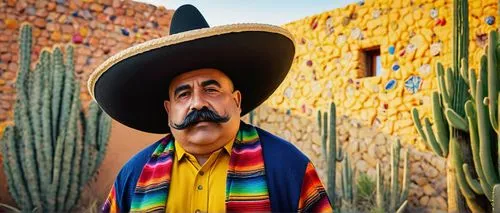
(200, 187)
(197, 211)
(202, 173)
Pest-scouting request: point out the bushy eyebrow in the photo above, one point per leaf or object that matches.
(210, 82)
(203, 84)
(181, 88)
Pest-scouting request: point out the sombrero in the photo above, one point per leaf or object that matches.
(131, 85)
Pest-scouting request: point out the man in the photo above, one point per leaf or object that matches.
(194, 85)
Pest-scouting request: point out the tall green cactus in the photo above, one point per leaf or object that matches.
(51, 151)
(393, 200)
(347, 189)
(329, 134)
(465, 114)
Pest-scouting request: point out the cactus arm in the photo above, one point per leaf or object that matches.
(457, 163)
(456, 120)
(496, 198)
(36, 121)
(449, 82)
(473, 183)
(406, 179)
(104, 129)
(69, 150)
(48, 143)
(493, 79)
(58, 154)
(251, 117)
(75, 183)
(11, 157)
(442, 85)
(67, 91)
(90, 138)
(484, 130)
(340, 154)
(396, 147)
(324, 136)
(331, 150)
(380, 188)
(498, 135)
(418, 124)
(6, 143)
(472, 83)
(344, 179)
(439, 123)
(349, 180)
(474, 141)
(93, 144)
(57, 89)
(464, 70)
(432, 142)
(23, 120)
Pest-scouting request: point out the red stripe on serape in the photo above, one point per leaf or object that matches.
(248, 159)
(155, 172)
(313, 197)
(110, 204)
(248, 206)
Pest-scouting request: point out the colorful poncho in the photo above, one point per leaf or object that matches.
(253, 183)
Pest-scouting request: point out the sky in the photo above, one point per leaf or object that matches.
(276, 12)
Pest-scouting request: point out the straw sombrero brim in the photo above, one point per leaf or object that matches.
(132, 85)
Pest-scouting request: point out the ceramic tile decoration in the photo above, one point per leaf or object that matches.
(356, 33)
(391, 50)
(395, 66)
(434, 13)
(425, 69)
(435, 48)
(391, 84)
(490, 20)
(410, 48)
(413, 83)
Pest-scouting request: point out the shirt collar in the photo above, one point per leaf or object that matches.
(180, 152)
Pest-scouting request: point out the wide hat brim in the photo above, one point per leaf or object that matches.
(132, 85)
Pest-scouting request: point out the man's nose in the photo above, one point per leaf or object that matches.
(198, 101)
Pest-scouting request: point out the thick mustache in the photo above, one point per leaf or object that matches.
(197, 116)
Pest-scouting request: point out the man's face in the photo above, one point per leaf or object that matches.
(203, 109)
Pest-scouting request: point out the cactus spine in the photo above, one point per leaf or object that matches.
(51, 151)
(398, 200)
(469, 103)
(329, 135)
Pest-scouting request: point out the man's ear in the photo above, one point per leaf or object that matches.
(237, 98)
(166, 104)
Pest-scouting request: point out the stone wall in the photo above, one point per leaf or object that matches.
(366, 146)
(97, 28)
(412, 35)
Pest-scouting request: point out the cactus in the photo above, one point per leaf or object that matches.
(51, 151)
(347, 189)
(397, 200)
(465, 114)
(251, 117)
(329, 135)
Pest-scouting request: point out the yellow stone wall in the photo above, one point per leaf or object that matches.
(329, 63)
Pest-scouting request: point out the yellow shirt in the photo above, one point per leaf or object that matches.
(195, 188)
